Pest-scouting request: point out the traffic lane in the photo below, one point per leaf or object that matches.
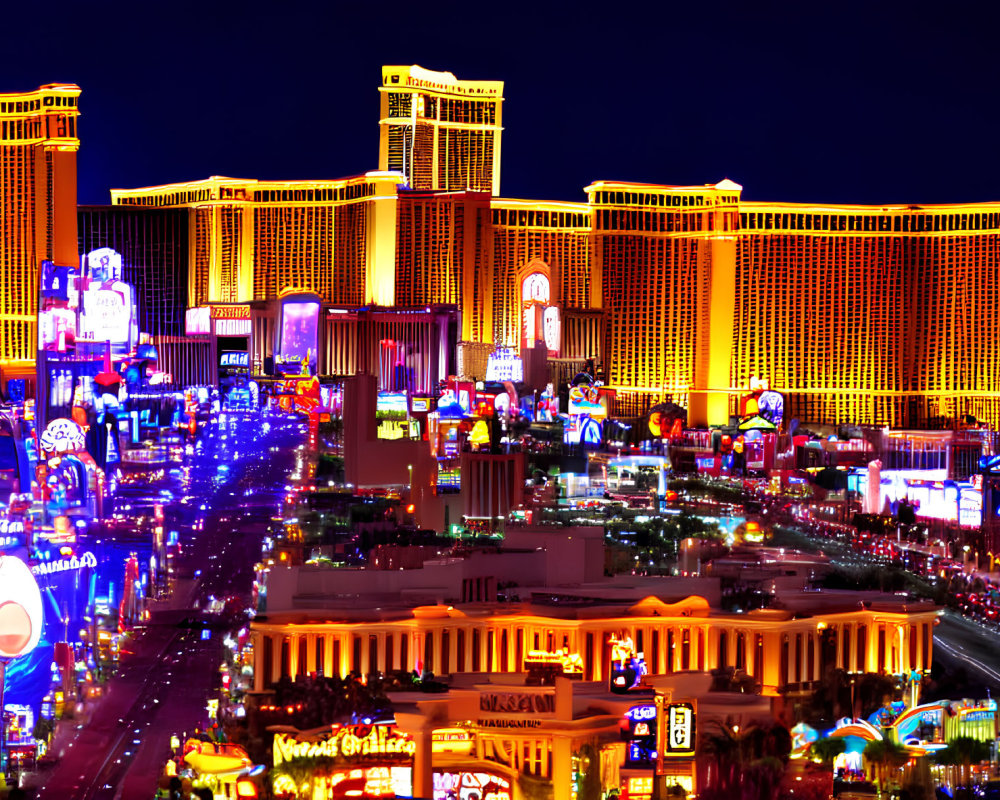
(152, 685)
(83, 766)
(138, 764)
(961, 642)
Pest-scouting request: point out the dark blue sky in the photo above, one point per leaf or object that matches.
(835, 102)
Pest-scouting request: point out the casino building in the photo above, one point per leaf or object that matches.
(505, 708)
(881, 315)
(38, 144)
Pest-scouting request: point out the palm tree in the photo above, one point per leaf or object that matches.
(886, 756)
(827, 750)
(747, 764)
(963, 752)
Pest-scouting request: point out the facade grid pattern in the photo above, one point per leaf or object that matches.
(38, 144)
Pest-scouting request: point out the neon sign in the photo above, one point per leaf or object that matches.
(504, 364)
(641, 713)
(237, 359)
(87, 560)
(449, 785)
(680, 730)
(345, 743)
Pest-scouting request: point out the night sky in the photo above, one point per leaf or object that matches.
(870, 102)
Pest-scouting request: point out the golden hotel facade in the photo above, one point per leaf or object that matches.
(38, 144)
(882, 315)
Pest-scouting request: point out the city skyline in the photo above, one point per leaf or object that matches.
(881, 107)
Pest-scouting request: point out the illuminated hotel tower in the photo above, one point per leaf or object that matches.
(878, 315)
(251, 239)
(38, 145)
(667, 258)
(440, 132)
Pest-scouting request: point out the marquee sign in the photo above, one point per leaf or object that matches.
(678, 729)
(504, 364)
(517, 703)
(351, 744)
(230, 312)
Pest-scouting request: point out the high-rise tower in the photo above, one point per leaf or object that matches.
(442, 133)
(38, 145)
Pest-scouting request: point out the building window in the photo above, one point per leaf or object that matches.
(445, 652)
(373, 655)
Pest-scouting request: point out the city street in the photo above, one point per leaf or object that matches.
(230, 485)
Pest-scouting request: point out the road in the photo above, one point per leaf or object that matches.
(961, 642)
(231, 481)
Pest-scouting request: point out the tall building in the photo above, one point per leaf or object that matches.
(666, 257)
(38, 144)
(154, 246)
(876, 315)
(543, 259)
(440, 132)
(884, 315)
(443, 254)
(251, 239)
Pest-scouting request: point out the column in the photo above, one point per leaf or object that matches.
(311, 653)
(661, 646)
(562, 767)
(328, 665)
(423, 767)
(852, 643)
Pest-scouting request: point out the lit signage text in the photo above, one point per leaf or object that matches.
(344, 744)
(510, 703)
(234, 360)
(679, 729)
(230, 312)
(232, 327)
(88, 559)
(510, 723)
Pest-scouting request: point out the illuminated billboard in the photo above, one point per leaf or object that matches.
(678, 735)
(373, 761)
(298, 334)
(107, 302)
(453, 784)
(20, 608)
(57, 310)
